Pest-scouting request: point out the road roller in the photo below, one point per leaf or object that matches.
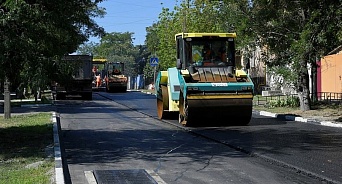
(205, 88)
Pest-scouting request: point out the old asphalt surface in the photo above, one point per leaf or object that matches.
(59, 178)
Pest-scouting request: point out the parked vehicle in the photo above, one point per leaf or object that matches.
(80, 83)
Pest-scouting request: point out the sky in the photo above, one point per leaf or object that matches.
(131, 16)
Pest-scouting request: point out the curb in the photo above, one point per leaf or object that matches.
(59, 173)
(298, 119)
(147, 92)
(35, 105)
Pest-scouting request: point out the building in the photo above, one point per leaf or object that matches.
(329, 75)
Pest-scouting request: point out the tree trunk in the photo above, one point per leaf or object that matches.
(314, 82)
(7, 99)
(35, 96)
(303, 87)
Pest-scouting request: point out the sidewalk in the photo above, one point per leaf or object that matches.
(286, 117)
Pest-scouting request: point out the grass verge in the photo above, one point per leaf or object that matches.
(275, 109)
(26, 149)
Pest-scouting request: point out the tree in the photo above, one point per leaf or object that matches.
(141, 58)
(118, 46)
(189, 16)
(61, 27)
(295, 34)
(37, 31)
(88, 48)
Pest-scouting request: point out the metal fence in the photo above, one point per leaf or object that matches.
(324, 97)
(264, 100)
(329, 97)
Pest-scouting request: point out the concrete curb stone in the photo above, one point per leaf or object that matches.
(59, 172)
(298, 119)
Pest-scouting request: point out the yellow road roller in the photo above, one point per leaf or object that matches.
(205, 88)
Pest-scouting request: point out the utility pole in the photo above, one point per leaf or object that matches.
(7, 100)
(185, 14)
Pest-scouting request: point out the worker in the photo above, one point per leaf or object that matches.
(116, 71)
(222, 54)
(98, 80)
(207, 53)
(94, 70)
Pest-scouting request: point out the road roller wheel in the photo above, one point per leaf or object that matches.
(162, 104)
(245, 121)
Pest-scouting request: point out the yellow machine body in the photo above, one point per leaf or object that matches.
(205, 91)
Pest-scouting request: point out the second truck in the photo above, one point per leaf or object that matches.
(205, 88)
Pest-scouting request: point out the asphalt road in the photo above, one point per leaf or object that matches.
(119, 131)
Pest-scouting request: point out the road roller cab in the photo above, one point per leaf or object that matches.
(205, 88)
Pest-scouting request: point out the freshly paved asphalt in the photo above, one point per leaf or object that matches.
(315, 136)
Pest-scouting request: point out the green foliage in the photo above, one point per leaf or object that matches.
(295, 34)
(117, 46)
(289, 101)
(88, 49)
(149, 72)
(190, 16)
(33, 32)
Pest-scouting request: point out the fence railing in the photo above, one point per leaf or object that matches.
(326, 97)
(329, 96)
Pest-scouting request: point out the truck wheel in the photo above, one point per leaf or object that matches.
(87, 96)
(124, 89)
(108, 89)
(245, 121)
(60, 96)
(163, 104)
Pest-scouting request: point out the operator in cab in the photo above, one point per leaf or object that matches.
(207, 52)
(116, 71)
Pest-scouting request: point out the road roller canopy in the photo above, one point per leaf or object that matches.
(192, 35)
(115, 68)
(205, 49)
(99, 61)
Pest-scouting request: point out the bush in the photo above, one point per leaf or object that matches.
(289, 101)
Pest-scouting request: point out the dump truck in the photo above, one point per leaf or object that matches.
(80, 83)
(116, 81)
(205, 88)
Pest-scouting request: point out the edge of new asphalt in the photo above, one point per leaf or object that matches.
(59, 172)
